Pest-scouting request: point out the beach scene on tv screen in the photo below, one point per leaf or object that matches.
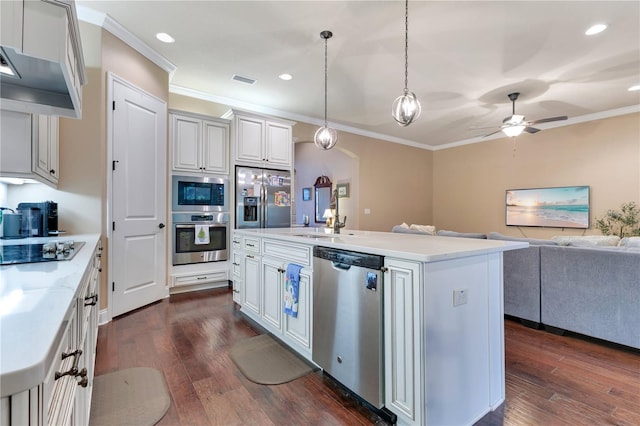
(561, 207)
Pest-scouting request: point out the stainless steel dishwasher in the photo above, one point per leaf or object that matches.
(347, 320)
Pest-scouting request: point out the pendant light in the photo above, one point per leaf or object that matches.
(325, 137)
(406, 108)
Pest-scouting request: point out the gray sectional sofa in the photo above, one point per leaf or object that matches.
(594, 291)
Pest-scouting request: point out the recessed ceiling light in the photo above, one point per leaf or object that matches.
(165, 38)
(595, 29)
(634, 88)
(285, 77)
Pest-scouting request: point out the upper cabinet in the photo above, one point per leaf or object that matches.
(29, 147)
(199, 144)
(40, 43)
(263, 141)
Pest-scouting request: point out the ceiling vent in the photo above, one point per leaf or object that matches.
(242, 79)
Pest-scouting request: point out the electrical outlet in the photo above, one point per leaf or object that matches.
(460, 297)
(367, 211)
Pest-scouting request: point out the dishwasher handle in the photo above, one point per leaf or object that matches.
(341, 265)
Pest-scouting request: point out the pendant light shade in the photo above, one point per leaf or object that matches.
(325, 137)
(406, 108)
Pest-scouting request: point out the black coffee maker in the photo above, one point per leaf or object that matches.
(39, 219)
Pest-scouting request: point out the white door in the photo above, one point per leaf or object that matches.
(138, 233)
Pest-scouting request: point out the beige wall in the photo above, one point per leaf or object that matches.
(394, 182)
(81, 193)
(198, 106)
(470, 181)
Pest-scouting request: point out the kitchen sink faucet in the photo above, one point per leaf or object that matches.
(336, 221)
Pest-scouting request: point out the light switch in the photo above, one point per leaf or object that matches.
(460, 297)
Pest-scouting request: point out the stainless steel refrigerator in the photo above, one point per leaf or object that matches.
(263, 198)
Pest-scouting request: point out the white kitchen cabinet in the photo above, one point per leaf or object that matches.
(29, 146)
(252, 279)
(199, 143)
(37, 36)
(401, 330)
(272, 292)
(64, 395)
(237, 266)
(46, 147)
(263, 141)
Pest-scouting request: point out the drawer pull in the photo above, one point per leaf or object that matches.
(84, 381)
(201, 278)
(91, 300)
(73, 371)
(250, 245)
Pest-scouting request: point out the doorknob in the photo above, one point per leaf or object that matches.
(161, 226)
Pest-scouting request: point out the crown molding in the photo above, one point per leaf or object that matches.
(106, 22)
(236, 104)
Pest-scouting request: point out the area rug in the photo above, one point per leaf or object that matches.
(265, 361)
(134, 396)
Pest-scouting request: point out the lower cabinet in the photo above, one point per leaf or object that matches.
(64, 396)
(260, 282)
(402, 296)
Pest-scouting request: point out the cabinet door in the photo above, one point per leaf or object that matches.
(45, 147)
(249, 139)
(278, 144)
(251, 291)
(401, 338)
(15, 142)
(186, 134)
(299, 328)
(215, 147)
(272, 283)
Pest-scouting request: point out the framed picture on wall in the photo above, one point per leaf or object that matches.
(306, 194)
(343, 190)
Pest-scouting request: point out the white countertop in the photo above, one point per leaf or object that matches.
(421, 248)
(35, 298)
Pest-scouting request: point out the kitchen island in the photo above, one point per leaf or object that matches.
(443, 317)
(48, 309)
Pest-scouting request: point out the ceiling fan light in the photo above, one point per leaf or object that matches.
(513, 131)
(325, 137)
(406, 108)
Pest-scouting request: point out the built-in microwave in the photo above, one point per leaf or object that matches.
(200, 194)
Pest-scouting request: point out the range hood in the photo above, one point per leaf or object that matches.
(42, 50)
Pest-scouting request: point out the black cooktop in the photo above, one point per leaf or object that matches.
(33, 253)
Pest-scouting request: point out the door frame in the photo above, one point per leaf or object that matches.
(111, 78)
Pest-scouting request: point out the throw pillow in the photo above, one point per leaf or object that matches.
(532, 241)
(444, 233)
(427, 229)
(587, 240)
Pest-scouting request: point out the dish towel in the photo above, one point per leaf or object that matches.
(202, 234)
(292, 289)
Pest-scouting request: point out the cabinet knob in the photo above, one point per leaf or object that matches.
(52, 172)
(161, 226)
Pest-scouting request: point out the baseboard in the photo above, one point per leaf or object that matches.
(103, 317)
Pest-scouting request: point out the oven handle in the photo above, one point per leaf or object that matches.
(193, 225)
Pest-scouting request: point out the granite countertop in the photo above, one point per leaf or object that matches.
(421, 248)
(35, 300)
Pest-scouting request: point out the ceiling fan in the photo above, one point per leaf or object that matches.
(516, 124)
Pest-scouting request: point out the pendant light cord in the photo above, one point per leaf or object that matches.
(406, 46)
(325, 81)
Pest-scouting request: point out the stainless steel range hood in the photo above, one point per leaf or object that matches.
(44, 52)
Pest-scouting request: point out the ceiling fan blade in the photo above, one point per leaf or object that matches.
(492, 133)
(531, 130)
(549, 120)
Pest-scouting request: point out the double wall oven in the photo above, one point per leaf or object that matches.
(200, 216)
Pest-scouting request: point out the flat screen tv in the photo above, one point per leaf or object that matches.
(559, 207)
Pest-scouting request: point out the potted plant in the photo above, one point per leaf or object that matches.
(623, 223)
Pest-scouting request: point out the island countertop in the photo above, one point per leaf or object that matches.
(421, 248)
(35, 299)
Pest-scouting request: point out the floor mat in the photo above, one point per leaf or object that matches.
(134, 396)
(265, 361)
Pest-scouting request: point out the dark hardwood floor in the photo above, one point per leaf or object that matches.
(550, 379)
